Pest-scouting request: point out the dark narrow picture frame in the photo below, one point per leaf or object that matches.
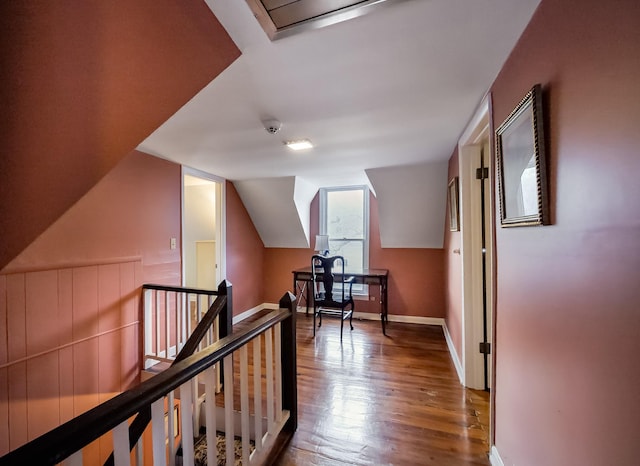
(454, 211)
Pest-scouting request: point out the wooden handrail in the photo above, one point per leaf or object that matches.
(61, 442)
(180, 289)
(223, 301)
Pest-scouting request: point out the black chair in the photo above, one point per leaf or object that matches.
(331, 290)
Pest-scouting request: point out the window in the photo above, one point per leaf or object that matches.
(344, 216)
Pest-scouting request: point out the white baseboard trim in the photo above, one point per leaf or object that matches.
(494, 457)
(392, 318)
(254, 310)
(439, 321)
(406, 319)
(453, 353)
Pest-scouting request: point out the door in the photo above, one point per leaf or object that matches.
(484, 274)
(476, 211)
(202, 230)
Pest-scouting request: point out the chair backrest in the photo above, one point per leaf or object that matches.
(322, 268)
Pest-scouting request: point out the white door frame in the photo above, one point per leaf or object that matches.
(221, 219)
(469, 149)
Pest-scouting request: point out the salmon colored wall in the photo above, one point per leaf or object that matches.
(245, 255)
(69, 304)
(453, 266)
(416, 276)
(568, 300)
(83, 83)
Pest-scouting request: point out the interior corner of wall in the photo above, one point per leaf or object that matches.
(369, 183)
(303, 193)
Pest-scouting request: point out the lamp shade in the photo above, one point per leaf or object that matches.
(322, 244)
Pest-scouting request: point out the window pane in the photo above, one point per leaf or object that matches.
(345, 214)
(352, 252)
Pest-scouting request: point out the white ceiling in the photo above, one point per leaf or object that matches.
(394, 87)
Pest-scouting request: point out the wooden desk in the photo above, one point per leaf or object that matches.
(377, 277)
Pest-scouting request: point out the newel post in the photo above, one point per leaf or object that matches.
(226, 318)
(289, 362)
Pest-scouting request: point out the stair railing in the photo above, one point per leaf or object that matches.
(170, 316)
(276, 329)
(220, 311)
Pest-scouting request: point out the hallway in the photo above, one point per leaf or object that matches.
(383, 400)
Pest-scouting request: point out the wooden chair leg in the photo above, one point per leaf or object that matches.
(314, 321)
(351, 319)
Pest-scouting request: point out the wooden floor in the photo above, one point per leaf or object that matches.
(376, 400)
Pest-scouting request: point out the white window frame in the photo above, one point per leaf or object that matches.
(357, 289)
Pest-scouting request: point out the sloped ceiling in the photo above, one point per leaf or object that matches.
(82, 84)
(411, 204)
(392, 88)
(279, 209)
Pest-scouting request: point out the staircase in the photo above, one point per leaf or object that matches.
(168, 418)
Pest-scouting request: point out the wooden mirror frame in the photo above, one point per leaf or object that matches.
(522, 172)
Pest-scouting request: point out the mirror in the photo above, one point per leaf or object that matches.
(521, 164)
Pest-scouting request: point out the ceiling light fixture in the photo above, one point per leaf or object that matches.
(299, 144)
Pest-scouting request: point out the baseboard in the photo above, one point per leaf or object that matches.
(494, 457)
(453, 353)
(439, 321)
(392, 318)
(411, 320)
(254, 310)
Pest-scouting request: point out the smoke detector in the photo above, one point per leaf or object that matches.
(272, 126)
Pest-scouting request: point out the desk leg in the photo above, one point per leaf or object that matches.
(384, 316)
(301, 293)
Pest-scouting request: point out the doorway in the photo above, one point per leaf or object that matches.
(477, 250)
(203, 242)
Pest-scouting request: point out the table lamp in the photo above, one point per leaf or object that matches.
(322, 244)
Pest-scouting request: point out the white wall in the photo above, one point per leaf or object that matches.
(412, 204)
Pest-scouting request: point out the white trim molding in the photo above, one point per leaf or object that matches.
(494, 457)
(454, 354)
(405, 319)
(254, 310)
(392, 318)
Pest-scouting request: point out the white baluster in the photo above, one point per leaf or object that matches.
(186, 418)
(244, 403)
(278, 375)
(269, 361)
(228, 409)
(157, 431)
(157, 315)
(177, 331)
(167, 326)
(171, 429)
(148, 325)
(257, 391)
(74, 460)
(139, 452)
(210, 414)
(184, 316)
(121, 455)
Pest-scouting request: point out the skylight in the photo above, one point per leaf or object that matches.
(280, 18)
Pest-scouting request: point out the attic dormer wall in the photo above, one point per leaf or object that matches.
(416, 275)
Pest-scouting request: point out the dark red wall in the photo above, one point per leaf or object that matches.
(83, 83)
(568, 294)
(245, 255)
(453, 267)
